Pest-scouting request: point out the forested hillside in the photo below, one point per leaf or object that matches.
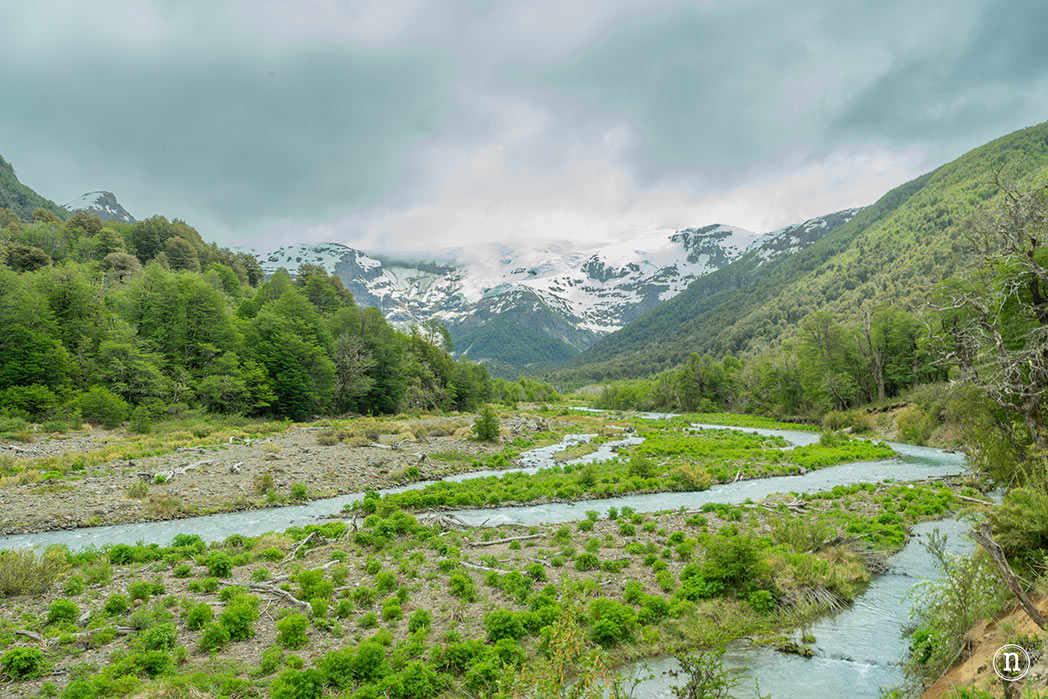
(22, 200)
(891, 253)
(109, 321)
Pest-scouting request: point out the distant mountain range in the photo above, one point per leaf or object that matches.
(892, 252)
(513, 308)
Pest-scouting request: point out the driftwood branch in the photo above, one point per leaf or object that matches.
(984, 538)
(277, 592)
(313, 536)
(975, 500)
(507, 540)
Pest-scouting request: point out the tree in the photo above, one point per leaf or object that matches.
(995, 317)
(486, 426)
(121, 265)
(300, 372)
(45, 216)
(84, 222)
(147, 237)
(9, 219)
(353, 362)
(26, 258)
(106, 241)
(181, 254)
(827, 360)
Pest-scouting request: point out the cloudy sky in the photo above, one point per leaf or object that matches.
(414, 124)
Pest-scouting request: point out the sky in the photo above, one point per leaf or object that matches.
(415, 125)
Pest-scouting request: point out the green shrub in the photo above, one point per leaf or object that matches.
(369, 620)
(416, 681)
(100, 406)
(160, 637)
(214, 638)
(239, 617)
(386, 581)
(613, 622)
(419, 619)
(199, 617)
(291, 631)
(836, 420)
(219, 564)
(23, 663)
(153, 663)
(298, 684)
(205, 585)
(74, 585)
(762, 601)
(182, 570)
(587, 561)
(117, 604)
(140, 590)
(462, 586)
(25, 572)
(391, 610)
(503, 624)
(915, 425)
(62, 610)
(299, 491)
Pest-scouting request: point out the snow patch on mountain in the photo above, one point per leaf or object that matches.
(597, 289)
(102, 204)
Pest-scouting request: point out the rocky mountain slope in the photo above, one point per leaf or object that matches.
(102, 204)
(514, 307)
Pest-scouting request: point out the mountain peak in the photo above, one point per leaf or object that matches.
(103, 204)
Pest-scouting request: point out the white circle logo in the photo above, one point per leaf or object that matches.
(1011, 662)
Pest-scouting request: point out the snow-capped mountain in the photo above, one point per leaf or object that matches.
(554, 294)
(103, 204)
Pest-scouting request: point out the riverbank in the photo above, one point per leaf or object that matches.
(458, 608)
(283, 467)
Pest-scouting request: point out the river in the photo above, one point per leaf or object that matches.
(857, 652)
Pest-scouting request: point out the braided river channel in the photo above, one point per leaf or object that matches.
(858, 651)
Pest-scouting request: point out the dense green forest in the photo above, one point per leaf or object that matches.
(828, 366)
(891, 254)
(105, 322)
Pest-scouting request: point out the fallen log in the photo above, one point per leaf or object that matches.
(283, 594)
(508, 539)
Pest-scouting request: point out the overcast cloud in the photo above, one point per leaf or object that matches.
(415, 124)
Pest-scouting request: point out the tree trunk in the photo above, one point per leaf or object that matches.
(984, 538)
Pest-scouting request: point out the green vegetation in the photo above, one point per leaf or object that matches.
(486, 426)
(21, 202)
(914, 232)
(147, 321)
(381, 609)
(686, 460)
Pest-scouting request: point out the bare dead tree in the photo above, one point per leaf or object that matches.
(995, 319)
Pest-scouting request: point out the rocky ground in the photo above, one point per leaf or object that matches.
(227, 476)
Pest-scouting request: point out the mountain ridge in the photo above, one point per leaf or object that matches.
(893, 251)
(562, 299)
(22, 199)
